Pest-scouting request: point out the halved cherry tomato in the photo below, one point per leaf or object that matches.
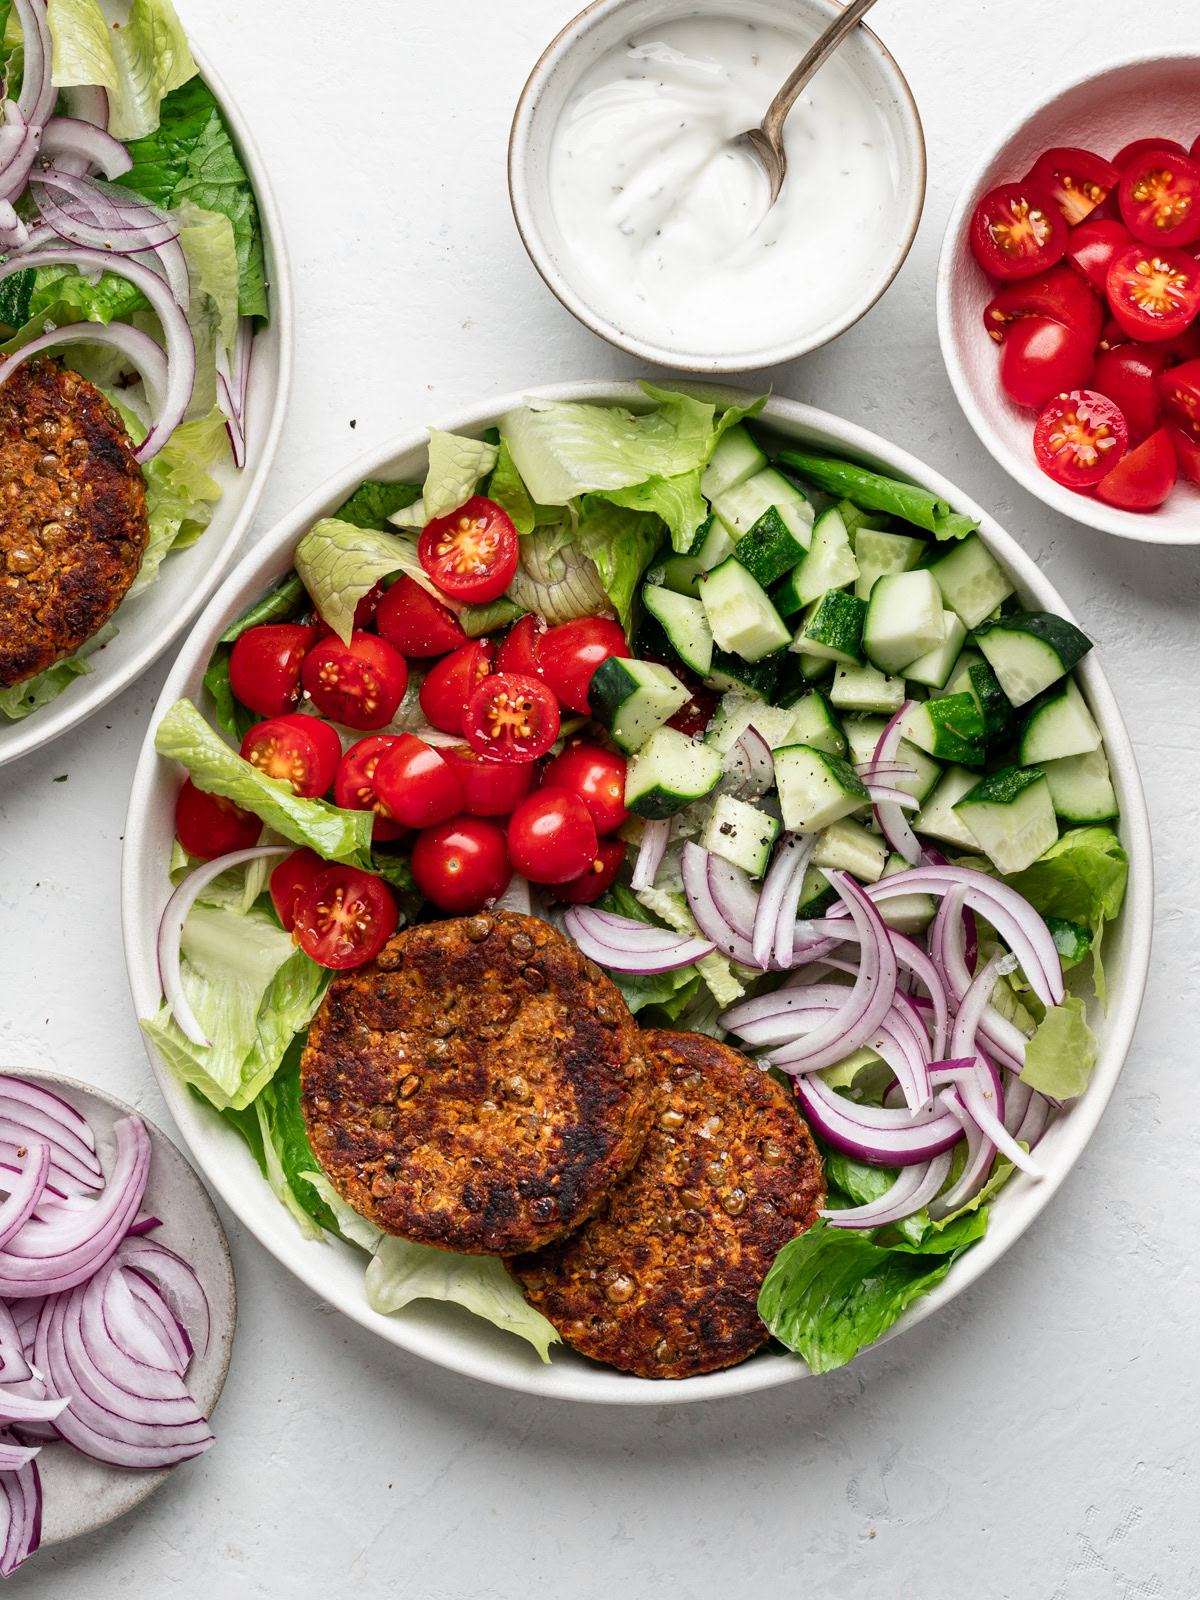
(453, 680)
(1018, 231)
(1079, 437)
(570, 653)
(518, 651)
(1078, 180)
(289, 881)
(1154, 290)
(597, 776)
(461, 865)
(472, 554)
(490, 788)
(364, 611)
(359, 684)
(1041, 358)
(551, 837)
(416, 786)
(1060, 293)
(1111, 335)
(1138, 147)
(695, 717)
(1144, 478)
(1127, 375)
(511, 718)
(416, 624)
(264, 669)
(302, 751)
(208, 825)
(1179, 391)
(1093, 247)
(344, 918)
(1160, 198)
(1187, 451)
(354, 786)
(599, 877)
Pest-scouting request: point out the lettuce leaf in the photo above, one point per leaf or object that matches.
(179, 492)
(456, 465)
(1060, 1056)
(622, 545)
(511, 495)
(339, 562)
(1081, 878)
(557, 578)
(138, 63)
(372, 504)
(21, 699)
(870, 490)
(207, 241)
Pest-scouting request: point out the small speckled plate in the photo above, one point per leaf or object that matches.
(80, 1495)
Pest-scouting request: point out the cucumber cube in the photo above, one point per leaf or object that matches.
(731, 673)
(1081, 788)
(669, 772)
(737, 712)
(813, 723)
(949, 728)
(717, 546)
(934, 669)
(832, 628)
(1031, 650)
(972, 582)
(938, 818)
(1058, 725)
(633, 698)
(815, 788)
(817, 894)
(974, 676)
(829, 564)
(904, 621)
(742, 618)
(1012, 816)
(735, 459)
(850, 847)
(684, 623)
(879, 555)
(741, 507)
(742, 834)
(863, 688)
(769, 549)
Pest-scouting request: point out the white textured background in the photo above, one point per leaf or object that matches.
(1035, 1441)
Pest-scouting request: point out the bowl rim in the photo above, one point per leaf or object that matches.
(1138, 526)
(142, 894)
(69, 711)
(553, 58)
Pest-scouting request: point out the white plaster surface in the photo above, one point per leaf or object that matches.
(1036, 1441)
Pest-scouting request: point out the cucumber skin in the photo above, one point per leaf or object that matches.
(757, 678)
(997, 712)
(769, 550)
(1003, 787)
(657, 804)
(1069, 644)
(842, 615)
(958, 709)
(608, 689)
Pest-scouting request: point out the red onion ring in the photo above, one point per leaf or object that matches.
(20, 1513)
(37, 90)
(914, 1188)
(179, 1286)
(891, 819)
(25, 1193)
(629, 946)
(1004, 1040)
(875, 1134)
(656, 836)
(791, 858)
(698, 873)
(74, 146)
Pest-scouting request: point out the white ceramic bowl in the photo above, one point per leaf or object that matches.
(1140, 97)
(599, 29)
(444, 1334)
(152, 621)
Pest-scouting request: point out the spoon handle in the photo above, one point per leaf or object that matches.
(772, 123)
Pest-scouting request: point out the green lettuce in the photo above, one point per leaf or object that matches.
(873, 492)
(622, 545)
(339, 563)
(510, 494)
(373, 504)
(456, 464)
(180, 494)
(138, 63)
(557, 578)
(1081, 878)
(1060, 1056)
(21, 699)
(208, 244)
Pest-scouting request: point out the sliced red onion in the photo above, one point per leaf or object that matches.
(1003, 1039)
(1033, 1123)
(629, 946)
(875, 1134)
(86, 102)
(880, 771)
(914, 1188)
(170, 1332)
(233, 383)
(656, 836)
(47, 1114)
(75, 147)
(978, 1086)
(37, 90)
(981, 1152)
(711, 921)
(97, 215)
(14, 1456)
(19, 1408)
(785, 927)
(168, 261)
(888, 813)
(790, 858)
(24, 144)
(971, 1006)
(735, 896)
(13, 1366)
(883, 794)
(26, 1192)
(20, 1513)
(760, 763)
(14, 235)
(179, 1286)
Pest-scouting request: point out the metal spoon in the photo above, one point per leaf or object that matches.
(767, 140)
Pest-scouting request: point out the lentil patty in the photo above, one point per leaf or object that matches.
(73, 525)
(664, 1281)
(480, 1086)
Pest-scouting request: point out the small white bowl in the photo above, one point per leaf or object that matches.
(599, 29)
(1139, 97)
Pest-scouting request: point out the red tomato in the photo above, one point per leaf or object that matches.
(302, 751)
(1160, 198)
(364, 611)
(472, 554)
(1179, 391)
(1078, 180)
(416, 624)
(354, 785)
(490, 788)
(1186, 347)
(461, 865)
(1187, 451)
(1018, 231)
(695, 717)
(1144, 478)
(511, 718)
(599, 877)
(1139, 147)
(1111, 335)
(264, 669)
(453, 680)
(1079, 437)
(360, 684)
(416, 786)
(1092, 248)
(345, 917)
(289, 881)
(208, 825)
(519, 650)
(1154, 292)
(1059, 293)
(597, 776)
(570, 653)
(1127, 376)
(1194, 152)
(1041, 358)
(551, 837)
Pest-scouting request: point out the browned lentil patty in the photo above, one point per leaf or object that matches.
(480, 1086)
(73, 525)
(663, 1282)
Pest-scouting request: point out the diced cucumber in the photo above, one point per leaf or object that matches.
(737, 712)
(829, 564)
(741, 833)
(974, 676)
(1031, 650)
(864, 688)
(832, 628)
(948, 727)
(742, 618)
(935, 668)
(815, 788)
(717, 546)
(815, 668)
(850, 847)
(741, 507)
(1012, 816)
(1072, 941)
(735, 459)
(863, 735)
(815, 724)
(817, 894)
(1081, 787)
(907, 913)
(879, 555)
(669, 772)
(769, 549)
(904, 620)
(680, 574)
(684, 623)
(1058, 725)
(971, 580)
(938, 818)
(633, 698)
(729, 672)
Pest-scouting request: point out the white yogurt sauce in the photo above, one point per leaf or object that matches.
(667, 219)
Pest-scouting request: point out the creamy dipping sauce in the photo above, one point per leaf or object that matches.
(667, 219)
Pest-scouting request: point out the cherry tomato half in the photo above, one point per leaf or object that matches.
(599, 877)
(490, 788)
(511, 718)
(416, 624)
(1154, 291)
(1160, 198)
(1060, 293)
(1128, 376)
(1078, 180)
(264, 669)
(472, 554)
(1179, 391)
(208, 825)
(1079, 437)
(551, 837)
(1041, 358)
(453, 680)
(694, 717)
(360, 684)
(461, 865)
(1017, 230)
(289, 881)
(354, 786)
(1138, 147)
(570, 653)
(416, 786)
(1187, 452)
(597, 776)
(1093, 247)
(345, 917)
(518, 650)
(1144, 478)
(302, 751)
(364, 611)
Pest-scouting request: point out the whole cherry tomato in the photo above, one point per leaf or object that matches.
(462, 864)
(208, 825)
(416, 786)
(354, 785)
(1041, 358)
(598, 878)
(416, 624)
(551, 837)
(1128, 376)
(597, 776)
(490, 788)
(570, 654)
(264, 668)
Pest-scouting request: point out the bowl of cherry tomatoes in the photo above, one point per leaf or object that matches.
(1068, 300)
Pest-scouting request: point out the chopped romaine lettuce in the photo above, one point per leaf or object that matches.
(373, 503)
(511, 495)
(671, 991)
(138, 63)
(1060, 1056)
(1082, 877)
(456, 464)
(207, 241)
(716, 969)
(339, 563)
(557, 578)
(873, 492)
(180, 494)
